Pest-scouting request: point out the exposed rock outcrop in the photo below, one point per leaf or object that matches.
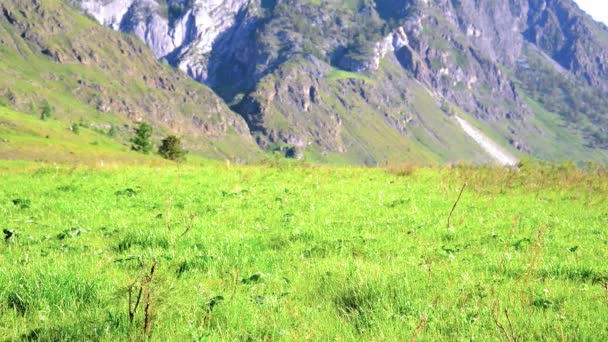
(468, 53)
(183, 32)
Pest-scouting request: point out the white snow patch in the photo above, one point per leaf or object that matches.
(491, 147)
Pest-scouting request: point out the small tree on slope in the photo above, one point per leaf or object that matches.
(171, 148)
(141, 141)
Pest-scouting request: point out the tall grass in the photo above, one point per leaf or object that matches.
(295, 253)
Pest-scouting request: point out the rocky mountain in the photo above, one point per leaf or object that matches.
(51, 55)
(375, 81)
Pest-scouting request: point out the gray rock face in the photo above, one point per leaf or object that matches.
(187, 33)
(184, 33)
(467, 52)
(140, 17)
(569, 36)
(472, 53)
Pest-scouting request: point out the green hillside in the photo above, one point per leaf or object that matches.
(26, 137)
(52, 54)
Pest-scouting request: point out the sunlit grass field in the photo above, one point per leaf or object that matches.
(288, 252)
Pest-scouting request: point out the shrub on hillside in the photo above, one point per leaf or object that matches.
(171, 148)
(75, 128)
(141, 141)
(46, 111)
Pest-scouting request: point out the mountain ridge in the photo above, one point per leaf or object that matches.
(382, 81)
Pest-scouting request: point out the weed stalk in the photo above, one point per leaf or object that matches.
(536, 254)
(142, 285)
(421, 325)
(456, 203)
(509, 334)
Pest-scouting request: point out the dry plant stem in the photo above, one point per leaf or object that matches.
(456, 203)
(190, 225)
(536, 254)
(129, 258)
(133, 308)
(561, 334)
(235, 284)
(513, 336)
(429, 263)
(147, 314)
(169, 200)
(145, 291)
(509, 335)
(501, 328)
(419, 328)
(168, 214)
(509, 180)
(514, 224)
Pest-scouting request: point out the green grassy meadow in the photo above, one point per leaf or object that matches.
(295, 252)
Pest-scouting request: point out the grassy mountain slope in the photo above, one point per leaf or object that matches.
(411, 69)
(26, 137)
(345, 79)
(50, 53)
(374, 118)
(368, 83)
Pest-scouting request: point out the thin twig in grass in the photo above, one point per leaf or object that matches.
(510, 325)
(509, 335)
(147, 314)
(456, 203)
(168, 213)
(536, 254)
(419, 328)
(561, 334)
(169, 199)
(428, 264)
(606, 290)
(128, 258)
(235, 284)
(145, 291)
(509, 180)
(501, 328)
(514, 224)
(133, 308)
(189, 226)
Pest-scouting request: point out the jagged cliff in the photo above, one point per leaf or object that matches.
(183, 32)
(374, 81)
